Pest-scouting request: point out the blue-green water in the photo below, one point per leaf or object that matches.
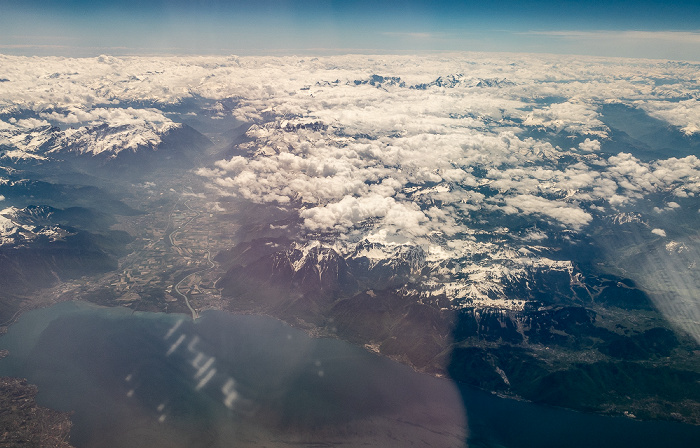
(152, 380)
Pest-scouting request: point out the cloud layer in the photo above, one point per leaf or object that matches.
(472, 157)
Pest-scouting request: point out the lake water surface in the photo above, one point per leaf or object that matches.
(157, 380)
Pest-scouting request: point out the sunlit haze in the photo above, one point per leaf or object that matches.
(652, 29)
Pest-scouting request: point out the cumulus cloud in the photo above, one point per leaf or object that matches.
(426, 150)
(405, 218)
(566, 214)
(589, 145)
(111, 116)
(660, 232)
(683, 114)
(417, 146)
(376, 132)
(572, 116)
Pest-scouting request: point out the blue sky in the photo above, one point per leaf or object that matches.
(609, 28)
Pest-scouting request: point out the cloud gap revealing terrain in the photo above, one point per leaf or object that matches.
(525, 224)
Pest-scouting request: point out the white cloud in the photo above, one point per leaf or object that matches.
(564, 213)
(111, 116)
(589, 145)
(350, 211)
(659, 232)
(683, 114)
(671, 36)
(398, 165)
(572, 116)
(416, 137)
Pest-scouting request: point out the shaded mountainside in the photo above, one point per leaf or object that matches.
(178, 148)
(123, 152)
(68, 189)
(30, 261)
(52, 232)
(23, 192)
(43, 263)
(568, 346)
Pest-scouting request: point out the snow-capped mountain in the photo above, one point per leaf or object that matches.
(504, 280)
(110, 141)
(102, 143)
(460, 80)
(31, 215)
(39, 247)
(20, 227)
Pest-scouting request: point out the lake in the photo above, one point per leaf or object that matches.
(159, 380)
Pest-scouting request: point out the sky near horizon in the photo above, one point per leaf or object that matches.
(652, 29)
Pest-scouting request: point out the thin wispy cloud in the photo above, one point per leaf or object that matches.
(411, 35)
(661, 44)
(680, 36)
